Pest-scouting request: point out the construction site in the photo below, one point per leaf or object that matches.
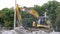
(39, 23)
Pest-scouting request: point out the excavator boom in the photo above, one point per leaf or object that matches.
(18, 14)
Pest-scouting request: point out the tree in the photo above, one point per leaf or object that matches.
(39, 9)
(1, 19)
(27, 19)
(50, 8)
(8, 17)
(27, 22)
(57, 23)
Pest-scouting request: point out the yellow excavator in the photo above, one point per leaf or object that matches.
(42, 21)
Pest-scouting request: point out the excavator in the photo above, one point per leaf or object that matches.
(42, 20)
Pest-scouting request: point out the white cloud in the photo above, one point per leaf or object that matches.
(28, 3)
(6, 3)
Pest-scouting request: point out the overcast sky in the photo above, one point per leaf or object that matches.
(27, 3)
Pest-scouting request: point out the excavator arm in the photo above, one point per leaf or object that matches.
(34, 13)
(31, 11)
(18, 14)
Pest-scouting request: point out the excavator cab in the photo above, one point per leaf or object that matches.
(42, 22)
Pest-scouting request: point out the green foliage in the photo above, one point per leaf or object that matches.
(50, 7)
(27, 22)
(57, 23)
(7, 17)
(39, 9)
(27, 19)
(1, 22)
(25, 15)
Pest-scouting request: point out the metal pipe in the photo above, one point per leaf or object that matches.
(15, 16)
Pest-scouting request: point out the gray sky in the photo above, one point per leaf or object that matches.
(27, 3)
